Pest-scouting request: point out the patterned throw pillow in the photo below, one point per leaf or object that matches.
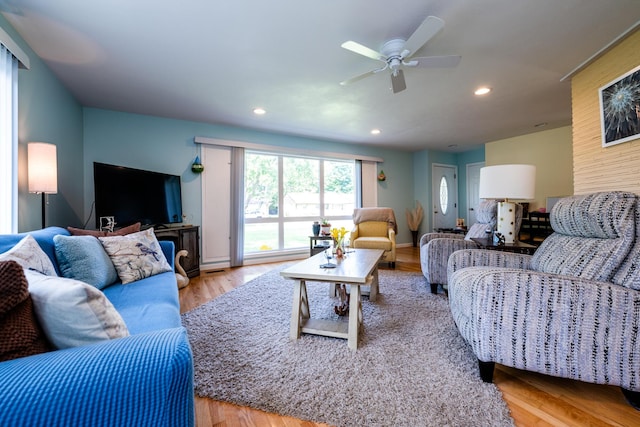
(136, 255)
(20, 332)
(73, 313)
(83, 258)
(30, 255)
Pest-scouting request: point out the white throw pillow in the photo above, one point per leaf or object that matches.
(30, 256)
(136, 255)
(73, 313)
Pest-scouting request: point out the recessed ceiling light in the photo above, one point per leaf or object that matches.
(482, 90)
(375, 131)
(540, 125)
(259, 111)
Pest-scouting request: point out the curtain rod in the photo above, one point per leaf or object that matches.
(279, 149)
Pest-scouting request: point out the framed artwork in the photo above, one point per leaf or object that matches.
(620, 109)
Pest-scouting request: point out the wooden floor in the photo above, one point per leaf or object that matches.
(534, 399)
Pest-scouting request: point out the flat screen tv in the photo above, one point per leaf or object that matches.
(134, 195)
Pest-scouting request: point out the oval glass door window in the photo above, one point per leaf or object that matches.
(444, 195)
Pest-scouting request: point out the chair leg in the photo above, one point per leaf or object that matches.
(434, 288)
(633, 397)
(486, 370)
(392, 264)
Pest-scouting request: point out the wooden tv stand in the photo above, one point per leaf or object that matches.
(184, 237)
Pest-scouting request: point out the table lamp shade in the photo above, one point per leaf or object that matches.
(42, 168)
(507, 182)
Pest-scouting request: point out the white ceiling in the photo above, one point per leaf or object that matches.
(213, 61)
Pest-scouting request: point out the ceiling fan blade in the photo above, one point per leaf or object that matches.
(359, 77)
(397, 82)
(423, 34)
(363, 50)
(446, 61)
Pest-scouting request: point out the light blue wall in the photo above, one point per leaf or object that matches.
(47, 112)
(166, 145)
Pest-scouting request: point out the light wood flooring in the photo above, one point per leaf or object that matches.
(534, 399)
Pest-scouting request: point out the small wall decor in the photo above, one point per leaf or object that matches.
(382, 176)
(197, 167)
(620, 109)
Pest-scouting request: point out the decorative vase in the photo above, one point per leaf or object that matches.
(196, 166)
(414, 235)
(339, 252)
(316, 228)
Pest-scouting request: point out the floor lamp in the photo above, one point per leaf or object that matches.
(506, 182)
(43, 171)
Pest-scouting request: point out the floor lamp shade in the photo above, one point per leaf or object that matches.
(507, 182)
(43, 168)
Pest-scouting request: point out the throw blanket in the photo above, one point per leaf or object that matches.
(375, 214)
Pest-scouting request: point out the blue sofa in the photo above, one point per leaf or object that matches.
(144, 379)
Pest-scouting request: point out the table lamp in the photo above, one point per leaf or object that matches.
(504, 182)
(42, 171)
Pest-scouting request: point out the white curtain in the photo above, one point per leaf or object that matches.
(237, 206)
(8, 142)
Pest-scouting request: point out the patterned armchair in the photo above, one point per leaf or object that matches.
(570, 310)
(375, 228)
(435, 248)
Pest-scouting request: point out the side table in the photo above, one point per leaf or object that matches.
(314, 247)
(517, 247)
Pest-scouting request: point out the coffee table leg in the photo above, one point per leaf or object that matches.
(299, 309)
(373, 294)
(355, 317)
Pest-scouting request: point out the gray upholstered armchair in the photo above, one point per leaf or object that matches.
(570, 310)
(435, 248)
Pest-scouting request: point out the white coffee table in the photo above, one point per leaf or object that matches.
(358, 268)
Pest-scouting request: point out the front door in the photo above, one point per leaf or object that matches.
(444, 195)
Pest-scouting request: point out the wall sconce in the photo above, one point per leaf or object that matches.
(42, 171)
(508, 182)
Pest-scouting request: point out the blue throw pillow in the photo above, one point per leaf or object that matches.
(83, 258)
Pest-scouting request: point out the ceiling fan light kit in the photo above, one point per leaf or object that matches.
(397, 53)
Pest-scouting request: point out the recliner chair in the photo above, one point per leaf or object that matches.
(435, 248)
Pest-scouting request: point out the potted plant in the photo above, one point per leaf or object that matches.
(325, 227)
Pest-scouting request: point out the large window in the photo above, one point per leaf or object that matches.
(284, 194)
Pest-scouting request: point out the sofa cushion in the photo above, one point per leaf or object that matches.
(373, 229)
(73, 313)
(30, 255)
(373, 243)
(44, 237)
(148, 304)
(83, 258)
(592, 236)
(135, 256)
(21, 334)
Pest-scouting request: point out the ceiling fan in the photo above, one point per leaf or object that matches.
(398, 52)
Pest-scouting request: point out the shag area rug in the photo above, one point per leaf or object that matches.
(412, 368)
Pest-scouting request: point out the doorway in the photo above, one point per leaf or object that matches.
(444, 195)
(473, 191)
